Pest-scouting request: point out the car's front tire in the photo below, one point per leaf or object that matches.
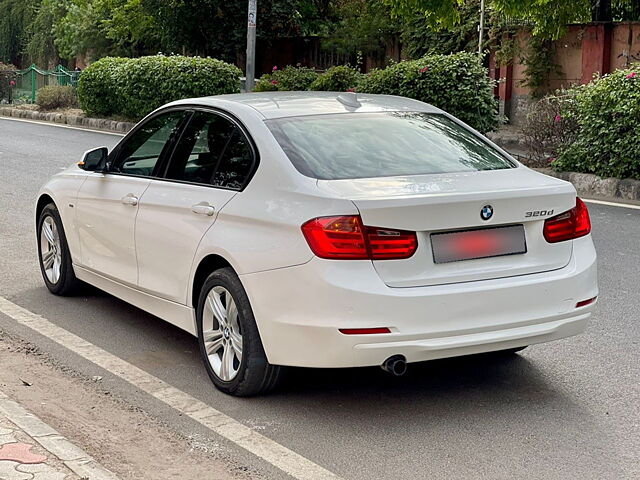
(53, 253)
(229, 339)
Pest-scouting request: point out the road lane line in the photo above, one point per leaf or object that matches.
(61, 125)
(612, 204)
(277, 455)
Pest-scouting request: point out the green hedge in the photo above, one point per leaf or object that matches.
(607, 114)
(288, 79)
(457, 83)
(133, 87)
(337, 79)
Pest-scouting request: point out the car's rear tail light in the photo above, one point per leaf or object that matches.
(386, 244)
(363, 331)
(336, 237)
(574, 223)
(584, 303)
(345, 237)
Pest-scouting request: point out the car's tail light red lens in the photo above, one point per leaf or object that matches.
(574, 223)
(584, 303)
(386, 244)
(336, 237)
(364, 331)
(345, 237)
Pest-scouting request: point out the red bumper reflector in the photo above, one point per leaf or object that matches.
(584, 303)
(363, 331)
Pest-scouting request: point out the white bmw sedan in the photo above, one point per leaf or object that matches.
(321, 230)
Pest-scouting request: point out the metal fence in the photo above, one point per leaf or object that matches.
(31, 79)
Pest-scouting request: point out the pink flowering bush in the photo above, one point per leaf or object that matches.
(457, 83)
(547, 127)
(606, 112)
(8, 76)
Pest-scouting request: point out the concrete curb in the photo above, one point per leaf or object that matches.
(76, 459)
(64, 119)
(592, 186)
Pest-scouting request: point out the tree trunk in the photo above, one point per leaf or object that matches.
(601, 11)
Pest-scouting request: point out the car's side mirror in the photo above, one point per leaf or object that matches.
(94, 160)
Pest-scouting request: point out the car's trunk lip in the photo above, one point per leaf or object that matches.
(432, 204)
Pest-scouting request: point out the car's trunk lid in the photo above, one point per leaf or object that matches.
(433, 204)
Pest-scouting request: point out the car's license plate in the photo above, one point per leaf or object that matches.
(479, 243)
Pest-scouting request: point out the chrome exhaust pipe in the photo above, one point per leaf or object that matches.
(396, 365)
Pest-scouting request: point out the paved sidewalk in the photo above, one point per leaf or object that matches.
(32, 450)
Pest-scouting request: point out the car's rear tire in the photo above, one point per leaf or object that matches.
(53, 253)
(229, 340)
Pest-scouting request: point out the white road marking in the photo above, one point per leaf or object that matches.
(61, 125)
(612, 204)
(277, 455)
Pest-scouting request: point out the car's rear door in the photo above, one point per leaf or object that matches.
(210, 164)
(107, 203)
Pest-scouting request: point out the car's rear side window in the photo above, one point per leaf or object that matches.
(212, 150)
(200, 147)
(363, 145)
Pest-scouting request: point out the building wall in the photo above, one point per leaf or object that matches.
(585, 50)
(625, 44)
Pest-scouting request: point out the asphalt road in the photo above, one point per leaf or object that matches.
(569, 409)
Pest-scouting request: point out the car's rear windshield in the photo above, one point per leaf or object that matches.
(364, 145)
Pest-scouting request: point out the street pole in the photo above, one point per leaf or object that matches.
(481, 29)
(251, 45)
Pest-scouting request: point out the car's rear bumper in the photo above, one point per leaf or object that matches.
(300, 309)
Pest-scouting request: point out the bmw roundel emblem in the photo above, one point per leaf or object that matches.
(487, 212)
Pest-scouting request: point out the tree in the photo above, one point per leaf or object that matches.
(549, 17)
(363, 26)
(15, 17)
(218, 27)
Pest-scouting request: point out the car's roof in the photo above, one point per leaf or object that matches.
(292, 104)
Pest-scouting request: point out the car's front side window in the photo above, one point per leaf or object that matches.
(141, 152)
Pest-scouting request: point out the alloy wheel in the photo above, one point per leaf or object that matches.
(50, 249)
(222, 333)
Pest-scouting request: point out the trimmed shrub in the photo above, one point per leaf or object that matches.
(99, 85)
(134, 87)
(457, 83)
(288, 79)
(54, 96)
(607, 114)
(337, 79)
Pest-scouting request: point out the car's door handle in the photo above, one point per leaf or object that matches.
(130, 199)
(203, 208)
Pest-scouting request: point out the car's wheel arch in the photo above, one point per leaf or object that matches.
(43, 200)
(207, 265)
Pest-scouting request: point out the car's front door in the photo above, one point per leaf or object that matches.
(107, 203)
(209, 165)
